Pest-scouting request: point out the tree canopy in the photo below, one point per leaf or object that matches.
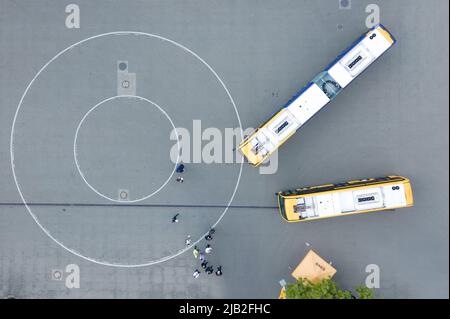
(325, 289)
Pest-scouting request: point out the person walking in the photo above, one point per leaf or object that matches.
(208, 249)
(175, 218)
(204, 264)
(180, 168)
(209, 270)
(202, 257)
(210, 233)
(188, 240)
(196, 273)
(196, 252)
(219, 271)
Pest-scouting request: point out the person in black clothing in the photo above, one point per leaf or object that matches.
(175, 218)
(204, 264)
(210, 233)
(209, 270)
(219, 271)
(180, 179)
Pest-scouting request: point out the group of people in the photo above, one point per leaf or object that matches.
(201, 255)
(180, 169)
(209, 269)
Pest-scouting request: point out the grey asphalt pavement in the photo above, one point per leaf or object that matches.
(392, 120)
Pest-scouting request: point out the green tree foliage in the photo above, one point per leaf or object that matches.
(325, 289)
(365, 293)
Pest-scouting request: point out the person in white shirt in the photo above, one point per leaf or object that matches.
(196, 274)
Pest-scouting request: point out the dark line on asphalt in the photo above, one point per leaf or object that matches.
(138, 205)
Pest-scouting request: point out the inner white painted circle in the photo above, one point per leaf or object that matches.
(77, 160)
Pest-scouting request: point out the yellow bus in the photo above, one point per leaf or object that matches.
(265, 140)
(352, 197)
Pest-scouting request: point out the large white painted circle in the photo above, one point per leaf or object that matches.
(35, 218)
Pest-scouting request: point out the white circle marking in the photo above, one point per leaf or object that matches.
(11, 149)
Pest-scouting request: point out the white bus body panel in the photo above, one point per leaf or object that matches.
(394, 198)
(295, 115)
(364, 53)
(308, 103)
(284, 120)
(352, 201)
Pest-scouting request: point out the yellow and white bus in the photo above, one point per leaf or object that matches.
(259, 145)
(352, 197)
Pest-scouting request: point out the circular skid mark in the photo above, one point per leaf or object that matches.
(80, 171)
(46, 231)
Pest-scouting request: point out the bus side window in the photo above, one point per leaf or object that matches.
(340, 185)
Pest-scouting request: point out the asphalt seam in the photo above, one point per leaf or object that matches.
(137, 205)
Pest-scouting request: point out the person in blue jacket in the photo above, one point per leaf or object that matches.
(180, 168)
